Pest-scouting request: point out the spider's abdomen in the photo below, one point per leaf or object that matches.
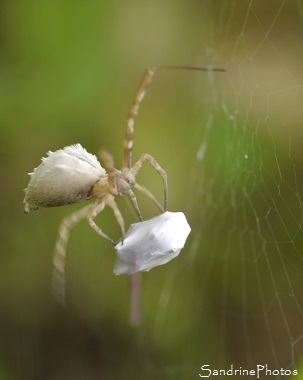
(66, 176)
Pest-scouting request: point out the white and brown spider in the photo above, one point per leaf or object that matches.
(71, 175)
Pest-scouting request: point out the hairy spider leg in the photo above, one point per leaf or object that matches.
(130, 122)
(90, 212)
(110, 201)
(149, 195)
(58, 280)
(138, 165)
(135, 203)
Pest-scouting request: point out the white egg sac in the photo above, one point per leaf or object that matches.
(66, 176)
(151, 243)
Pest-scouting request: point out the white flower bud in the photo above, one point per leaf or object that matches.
(151, 243)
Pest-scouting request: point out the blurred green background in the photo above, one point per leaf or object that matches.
(232, 147)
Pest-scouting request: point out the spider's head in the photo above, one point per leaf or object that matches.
(124, 183)
(125, 180)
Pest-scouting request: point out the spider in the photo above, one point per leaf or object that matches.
(71, 175)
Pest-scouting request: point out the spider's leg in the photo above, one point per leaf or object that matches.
(110, 201)
(108, 162)
(146, 192)
(145, 82)
(134, 200)
(58, 278)
(129, 130)
(91, 217)
(160, 170)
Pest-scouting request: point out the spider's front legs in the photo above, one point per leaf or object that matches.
(149, 195)
(110, 201)
(105, 201)
(135, 203)
(138, 165)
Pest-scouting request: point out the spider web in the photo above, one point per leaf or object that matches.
(245, 252)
